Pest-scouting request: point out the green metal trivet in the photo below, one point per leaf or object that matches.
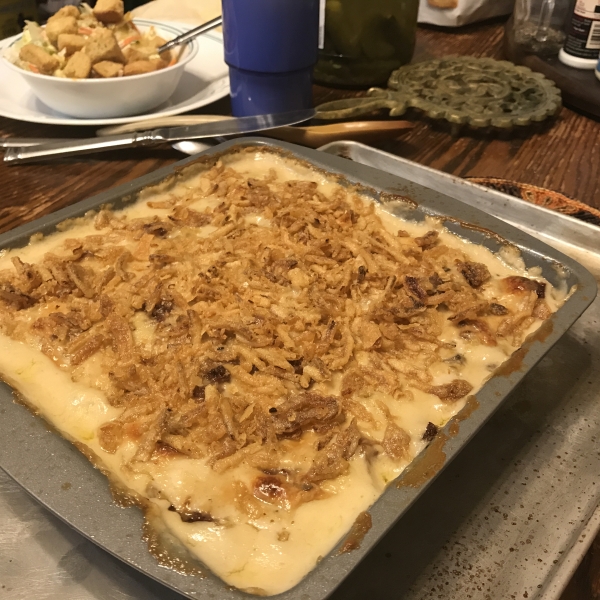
(480, 92)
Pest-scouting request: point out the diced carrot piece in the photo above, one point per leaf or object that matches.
(132, 38)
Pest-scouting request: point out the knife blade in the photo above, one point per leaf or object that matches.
(235, 126)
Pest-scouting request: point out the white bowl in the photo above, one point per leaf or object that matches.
(116, 96)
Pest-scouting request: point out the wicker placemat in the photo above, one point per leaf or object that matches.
(542, 197)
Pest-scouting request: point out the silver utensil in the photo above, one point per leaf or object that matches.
(186, 37)
(16, 142)
(186, 146)
(235, 126)
(193, 147)
(313, 136)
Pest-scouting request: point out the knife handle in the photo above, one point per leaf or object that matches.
(84, 146)
(15, 142)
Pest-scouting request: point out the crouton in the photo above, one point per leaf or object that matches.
(71, 42)
(132, 54)
(159, 63)
(78, 66)
(155, 43)
(46, 63)
(142, 51)
(62, 25)
(103, 45)
(139, 67)
(65, 11)
(109, 11)
(88, 20)
(106, 68)
(166, 56)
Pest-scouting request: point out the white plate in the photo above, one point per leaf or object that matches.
(206, 79)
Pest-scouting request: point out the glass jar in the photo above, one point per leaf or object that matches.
(538, 25)
(365, 40)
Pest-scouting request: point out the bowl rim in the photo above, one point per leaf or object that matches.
(192, 46)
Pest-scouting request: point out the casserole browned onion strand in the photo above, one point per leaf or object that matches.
(246, 320)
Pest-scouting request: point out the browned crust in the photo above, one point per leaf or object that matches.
(348, 439)
(360, 528)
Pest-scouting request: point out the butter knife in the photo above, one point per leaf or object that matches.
(235, 126)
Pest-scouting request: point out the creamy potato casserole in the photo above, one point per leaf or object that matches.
(253, 351)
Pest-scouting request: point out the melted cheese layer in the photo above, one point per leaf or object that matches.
(269, 552)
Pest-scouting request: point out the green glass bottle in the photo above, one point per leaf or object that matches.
(365, 40)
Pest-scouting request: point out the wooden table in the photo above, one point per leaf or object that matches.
(563, 154)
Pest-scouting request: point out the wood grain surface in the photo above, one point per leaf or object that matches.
(562, 154)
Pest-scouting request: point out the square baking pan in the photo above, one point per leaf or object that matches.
(57, 475)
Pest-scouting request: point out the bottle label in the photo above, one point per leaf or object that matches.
(589, 9)
(583, 33)
(593, 40)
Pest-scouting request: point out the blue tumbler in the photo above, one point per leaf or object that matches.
(271, 47)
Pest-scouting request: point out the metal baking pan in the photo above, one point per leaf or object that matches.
(58, 476)
(555, 228)
(565, 391)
